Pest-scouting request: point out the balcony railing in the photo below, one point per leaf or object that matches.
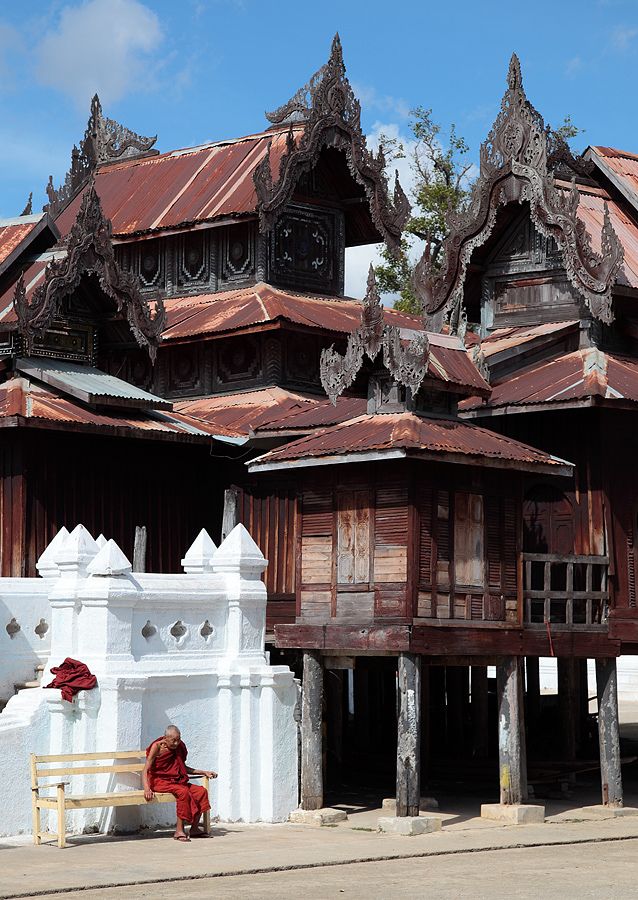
(565, 590)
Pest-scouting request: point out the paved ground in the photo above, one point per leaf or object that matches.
(579, 852)
(566, 872)
(484, 857)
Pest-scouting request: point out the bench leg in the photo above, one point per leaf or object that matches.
(37, 824)
(61, 818)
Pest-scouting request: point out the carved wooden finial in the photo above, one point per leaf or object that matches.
(28, 209)
(89, 249)
(406, 364)
(330, 115)
(516, 166)
(104, 140)
(514, 78)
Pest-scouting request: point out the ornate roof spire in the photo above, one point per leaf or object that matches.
(105, 140)
(516, 166)
(407, 364)
(28, 209)
(89, 250)
(330, 116)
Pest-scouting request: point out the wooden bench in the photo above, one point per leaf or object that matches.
(124, 761)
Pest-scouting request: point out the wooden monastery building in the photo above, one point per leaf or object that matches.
(435, 494)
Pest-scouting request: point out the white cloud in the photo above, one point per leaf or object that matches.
(100, 45)
(622, 37)
(369, 97)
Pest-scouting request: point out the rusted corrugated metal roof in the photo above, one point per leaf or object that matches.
(591, 211)
(503, 339)
(240, 414)
(23, 402)
(173, 190)
(620, 167)
(312, 416)
(447, 440)
(13, 232)
(262, 303)
(576, 376)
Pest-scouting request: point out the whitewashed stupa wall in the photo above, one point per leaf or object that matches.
(186, 649)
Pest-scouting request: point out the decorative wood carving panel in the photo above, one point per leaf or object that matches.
(307, 249)
(237, 263)
(238, 359)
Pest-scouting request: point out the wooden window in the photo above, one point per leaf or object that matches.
(353, 538)
(469, 550)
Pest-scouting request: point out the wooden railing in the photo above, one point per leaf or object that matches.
(565, 590)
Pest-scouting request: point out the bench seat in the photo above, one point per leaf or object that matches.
(124, 761)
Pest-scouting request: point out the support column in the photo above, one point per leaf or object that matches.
(511, 731)
(311, 738)
(608, 733)
(409, 735)
(568, 705)
(480, 734)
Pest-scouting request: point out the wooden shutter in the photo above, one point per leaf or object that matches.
(493, 538)
(469, 550)
(631, 568)
(353, 538)
(510, 568)
(425, 537)
(317, 513)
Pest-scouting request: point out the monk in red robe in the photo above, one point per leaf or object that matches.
(166, 771)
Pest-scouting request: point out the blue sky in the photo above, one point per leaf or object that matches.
(199, 70)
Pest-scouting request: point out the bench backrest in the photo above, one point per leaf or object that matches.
(45, 766)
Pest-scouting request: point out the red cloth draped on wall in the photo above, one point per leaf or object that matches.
(72, 676)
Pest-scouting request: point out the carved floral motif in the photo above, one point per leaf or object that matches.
(104, 140)
(331, 117)
(89, 251)
(516, 166)
(407, 364)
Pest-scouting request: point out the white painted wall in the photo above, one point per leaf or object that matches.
(185, 649)
(24, 607)
(627, 667)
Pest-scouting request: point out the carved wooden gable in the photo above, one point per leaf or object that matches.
(524, 280)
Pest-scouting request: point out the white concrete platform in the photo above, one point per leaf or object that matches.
(409, 825)
(513, 814)
(611, 812)
(325, 816)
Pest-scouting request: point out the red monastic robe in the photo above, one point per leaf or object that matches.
(168, 774)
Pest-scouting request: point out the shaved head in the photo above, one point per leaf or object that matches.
(172, 731)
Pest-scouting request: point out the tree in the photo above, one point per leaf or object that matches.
(442, 174)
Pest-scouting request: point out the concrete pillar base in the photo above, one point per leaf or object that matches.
(611, 812)
(409, 825)
(325, 816)
(513, 813)
(389, 804)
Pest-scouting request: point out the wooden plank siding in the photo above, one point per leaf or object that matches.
(109, 485)
(397, 547)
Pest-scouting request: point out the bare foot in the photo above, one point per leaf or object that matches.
(180, 836)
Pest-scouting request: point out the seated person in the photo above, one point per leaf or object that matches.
(166, 771)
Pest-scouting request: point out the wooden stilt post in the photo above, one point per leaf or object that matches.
(511, 731)
(139, 549)
(426, 726)
(608, 733)
(568, 705)
(409, 735)
(334, 689)
(230, 515)
(311, 728)
(478, 680)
